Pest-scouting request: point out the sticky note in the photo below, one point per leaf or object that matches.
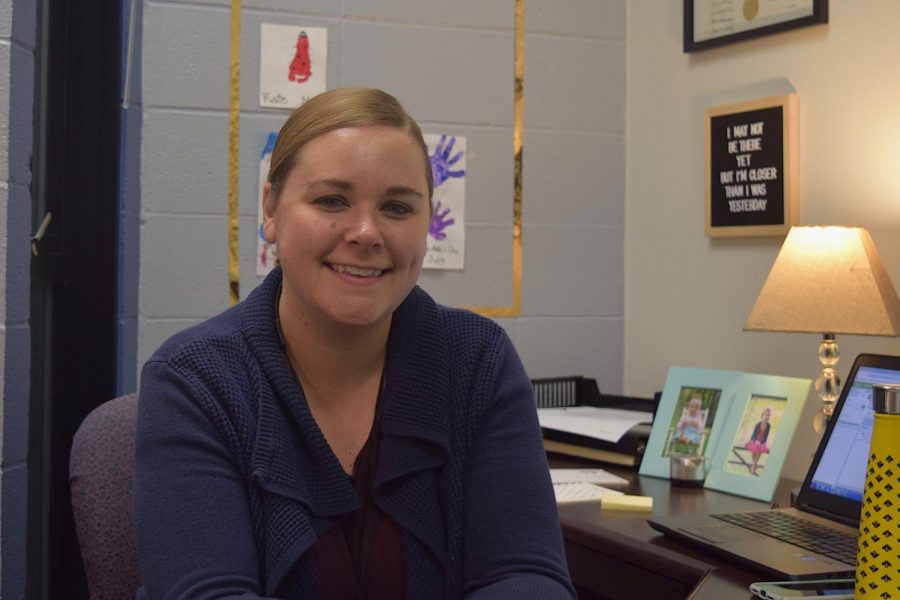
(626, 502)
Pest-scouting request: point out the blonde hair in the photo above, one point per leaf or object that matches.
(338, 109)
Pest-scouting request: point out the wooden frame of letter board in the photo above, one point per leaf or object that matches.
(790, 166)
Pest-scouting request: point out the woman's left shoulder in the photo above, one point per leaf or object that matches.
(464, 333)
(460, 320)
(467, 327)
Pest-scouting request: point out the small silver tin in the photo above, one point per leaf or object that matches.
(687, 470)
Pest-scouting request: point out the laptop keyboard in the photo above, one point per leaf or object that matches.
(800, 532)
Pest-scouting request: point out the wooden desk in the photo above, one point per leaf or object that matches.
(616, 554)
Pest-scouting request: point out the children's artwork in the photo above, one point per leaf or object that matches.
(266, 253)
(688, 418)
(757, 435)
(292, 64)
(447, 232)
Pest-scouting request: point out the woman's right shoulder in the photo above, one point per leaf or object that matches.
(209, 365)
(228, 331)
(200, 339)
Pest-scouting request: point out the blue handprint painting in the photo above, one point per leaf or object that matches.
(446, 233)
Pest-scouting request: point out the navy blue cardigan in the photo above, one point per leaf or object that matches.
(234, 479)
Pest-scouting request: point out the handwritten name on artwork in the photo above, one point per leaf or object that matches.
(439, 253)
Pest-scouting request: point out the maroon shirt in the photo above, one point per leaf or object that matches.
(347, 563)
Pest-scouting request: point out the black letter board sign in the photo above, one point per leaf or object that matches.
(751, 165)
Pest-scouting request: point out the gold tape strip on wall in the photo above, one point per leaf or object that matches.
(234, 120)
(518, 132)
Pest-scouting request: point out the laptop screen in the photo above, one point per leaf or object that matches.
(842, 468)
(834, 485)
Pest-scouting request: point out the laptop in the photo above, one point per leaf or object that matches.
(827, 507)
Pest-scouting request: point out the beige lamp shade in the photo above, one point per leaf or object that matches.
(827, 280)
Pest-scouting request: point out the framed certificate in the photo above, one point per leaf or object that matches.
(711, 23)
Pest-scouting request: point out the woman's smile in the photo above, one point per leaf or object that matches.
(357, 271)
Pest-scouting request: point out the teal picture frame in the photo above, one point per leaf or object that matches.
(683, 383)
(756, 437)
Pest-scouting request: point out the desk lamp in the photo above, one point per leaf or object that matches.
(827, 280)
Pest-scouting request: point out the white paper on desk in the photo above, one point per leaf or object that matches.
(581, 492)
(608, 424)
(598, 476)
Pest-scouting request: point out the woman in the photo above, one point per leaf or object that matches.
(338, 434)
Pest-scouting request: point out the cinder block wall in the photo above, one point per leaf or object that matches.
(451, 64)
(18, 23)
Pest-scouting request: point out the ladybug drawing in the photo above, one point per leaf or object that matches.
(300, 67)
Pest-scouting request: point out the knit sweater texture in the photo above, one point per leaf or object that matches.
(234, 479)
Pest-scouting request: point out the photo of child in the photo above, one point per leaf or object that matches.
(690, 427)
(692, 420)
(757, 442)
(755, 435)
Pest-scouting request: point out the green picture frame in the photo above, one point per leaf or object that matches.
(756, 436)
(715, 388)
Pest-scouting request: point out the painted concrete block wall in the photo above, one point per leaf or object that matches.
(129, 195)
(17, 44)
(687, 296)
(451, 64)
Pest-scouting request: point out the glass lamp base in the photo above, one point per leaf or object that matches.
(820, 420)
(827, 384)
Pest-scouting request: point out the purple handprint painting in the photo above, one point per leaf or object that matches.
(446, 232)
(442, 163)
(440, 221)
